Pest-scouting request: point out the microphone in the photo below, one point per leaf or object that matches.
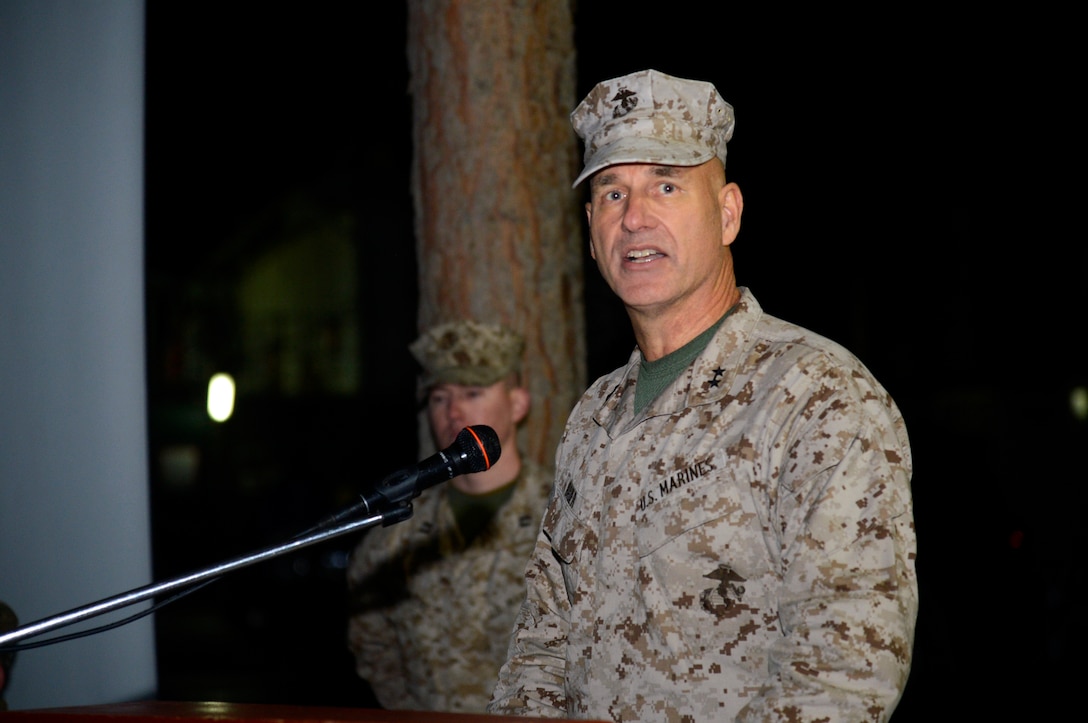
(476, 449)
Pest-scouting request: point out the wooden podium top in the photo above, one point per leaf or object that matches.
(191, 712)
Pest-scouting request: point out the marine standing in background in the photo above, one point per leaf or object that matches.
(731, 532)
(434, 597)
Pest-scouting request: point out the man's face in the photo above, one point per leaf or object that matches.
(660, 234)
(452, 407)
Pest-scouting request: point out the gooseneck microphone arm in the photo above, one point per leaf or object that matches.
(475, 450)
(143, 593)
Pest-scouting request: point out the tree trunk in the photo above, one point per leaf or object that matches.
(499, 231)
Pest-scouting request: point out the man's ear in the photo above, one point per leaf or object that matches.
(519, 403)
(731, 203)
(589, 224)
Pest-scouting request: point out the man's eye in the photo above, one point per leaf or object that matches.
(667, 188)
(614, 195)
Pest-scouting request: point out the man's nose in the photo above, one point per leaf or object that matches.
(637, 213)
(456, 408)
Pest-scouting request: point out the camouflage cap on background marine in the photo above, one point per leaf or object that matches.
(467, 352)
(651, 117)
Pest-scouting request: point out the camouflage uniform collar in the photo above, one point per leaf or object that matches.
(707, 380)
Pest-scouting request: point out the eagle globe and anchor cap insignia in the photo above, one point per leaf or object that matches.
(625, 100)
(729, 590)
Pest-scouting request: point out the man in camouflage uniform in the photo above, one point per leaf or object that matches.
(434, 597)
(730, 535)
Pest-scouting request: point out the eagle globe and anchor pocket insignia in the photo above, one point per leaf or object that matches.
(719, 599)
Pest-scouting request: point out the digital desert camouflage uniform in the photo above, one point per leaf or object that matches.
(433, 616)
(744, 549)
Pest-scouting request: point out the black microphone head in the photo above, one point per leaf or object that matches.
(478, 448)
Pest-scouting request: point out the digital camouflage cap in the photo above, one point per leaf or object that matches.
(468, 353)
(651, 117)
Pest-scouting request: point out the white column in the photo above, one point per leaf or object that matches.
(74, 508)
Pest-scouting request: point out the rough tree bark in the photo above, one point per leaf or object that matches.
(499, 231)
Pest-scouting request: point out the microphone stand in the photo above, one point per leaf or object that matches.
(397, 514)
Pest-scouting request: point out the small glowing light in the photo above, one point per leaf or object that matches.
(1078, 402)
(221, 397)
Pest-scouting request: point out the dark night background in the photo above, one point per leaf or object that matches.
(907, 184)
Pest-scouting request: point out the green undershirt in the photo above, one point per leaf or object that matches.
(654, 376)
(473, 512)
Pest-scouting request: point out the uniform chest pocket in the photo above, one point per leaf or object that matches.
(569, 536)
(706, 498)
